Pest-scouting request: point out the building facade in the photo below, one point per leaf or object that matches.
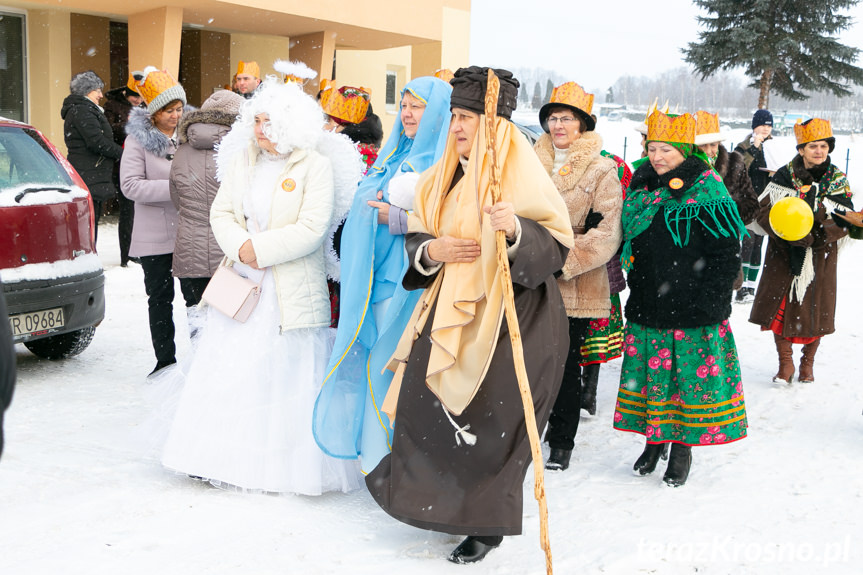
(377, 44)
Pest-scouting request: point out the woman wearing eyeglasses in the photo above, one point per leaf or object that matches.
(588, 182)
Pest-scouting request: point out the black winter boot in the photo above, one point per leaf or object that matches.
(678, 465)
(558, 459)
(474, 549)
(589, 381)
(646, 462)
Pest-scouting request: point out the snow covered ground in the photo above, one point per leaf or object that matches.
(78, 497)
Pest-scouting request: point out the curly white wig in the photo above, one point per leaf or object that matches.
(295, 119)
(294, 68)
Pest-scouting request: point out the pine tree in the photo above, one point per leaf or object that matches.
(536, 103)
(609, 95)
(784, 46)
(549, 86)
(523, 97)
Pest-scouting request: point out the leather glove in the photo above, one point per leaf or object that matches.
(839, 221)
(592, 220)
(804, 242)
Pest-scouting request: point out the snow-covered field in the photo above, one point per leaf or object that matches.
(78, 497)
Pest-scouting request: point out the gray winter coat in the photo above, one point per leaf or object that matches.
(193, 187)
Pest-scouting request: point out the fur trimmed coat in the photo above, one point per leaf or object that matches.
(144, 172)
(193, 188)
(588, 183)
(814, 316)
(732, 168)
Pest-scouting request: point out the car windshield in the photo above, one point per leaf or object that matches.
(25, 160)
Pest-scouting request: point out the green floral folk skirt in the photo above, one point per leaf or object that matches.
(604, 336)
(681, 385)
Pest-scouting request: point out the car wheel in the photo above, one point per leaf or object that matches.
(62, 346)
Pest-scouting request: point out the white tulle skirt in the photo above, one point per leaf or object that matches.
(244, 416)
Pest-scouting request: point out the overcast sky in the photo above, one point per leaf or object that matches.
(592, 43)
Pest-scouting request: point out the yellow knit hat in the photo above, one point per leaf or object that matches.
(159, 89)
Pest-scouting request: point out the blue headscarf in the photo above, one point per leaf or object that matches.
(347, 419)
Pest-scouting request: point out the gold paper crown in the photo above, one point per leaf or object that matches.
(154, 84)
(326, 84)
(815, 129)
(706, 123)
(663, 128)
(573, 95)
(444, 74)
(653, 108)
(347, 103)
(133, 84)
(250, 68)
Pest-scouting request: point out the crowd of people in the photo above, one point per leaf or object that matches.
(378, 348)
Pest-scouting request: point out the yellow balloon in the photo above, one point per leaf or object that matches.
(791, 219)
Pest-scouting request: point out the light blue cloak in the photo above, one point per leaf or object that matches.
(347, 419)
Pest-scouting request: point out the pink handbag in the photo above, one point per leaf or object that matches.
(232, 294)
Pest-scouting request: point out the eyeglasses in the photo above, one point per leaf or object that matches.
(565, 120)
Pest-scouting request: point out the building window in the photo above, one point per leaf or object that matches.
(392, 92)
(13, 100)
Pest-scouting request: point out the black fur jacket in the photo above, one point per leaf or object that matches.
(732, 168)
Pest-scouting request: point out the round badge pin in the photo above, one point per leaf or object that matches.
(675, 183)
(564, 171)
(289, 185)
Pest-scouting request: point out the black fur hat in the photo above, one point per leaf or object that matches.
(369, 131)
(469, 86)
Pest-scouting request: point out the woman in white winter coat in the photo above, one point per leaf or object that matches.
(244, 417)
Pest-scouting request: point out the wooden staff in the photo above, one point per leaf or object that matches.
(491, 96)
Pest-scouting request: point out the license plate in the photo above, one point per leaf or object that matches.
(37, 322)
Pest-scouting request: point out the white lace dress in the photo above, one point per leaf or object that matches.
(244, 418)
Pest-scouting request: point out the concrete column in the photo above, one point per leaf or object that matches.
(49, 70)
(206, 63)
(91, 46)
(317, 51)
(154, 39)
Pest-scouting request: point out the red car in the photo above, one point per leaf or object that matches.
(51, 275)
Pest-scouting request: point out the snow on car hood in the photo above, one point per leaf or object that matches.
(8, 195)
(86, 263)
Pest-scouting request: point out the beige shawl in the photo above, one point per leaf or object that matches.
(469, 297)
